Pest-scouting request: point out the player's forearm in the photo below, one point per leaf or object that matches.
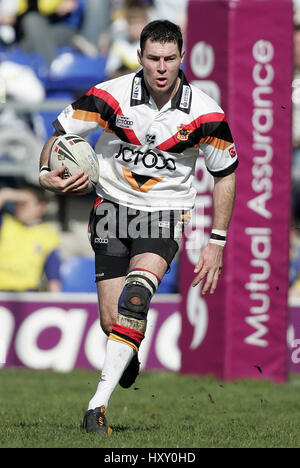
(209, 264)
(223, 201)
(44, 158)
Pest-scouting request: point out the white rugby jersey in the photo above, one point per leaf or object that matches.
(147, 156)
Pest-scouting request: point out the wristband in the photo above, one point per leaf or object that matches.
(44, 169)
(218, 237)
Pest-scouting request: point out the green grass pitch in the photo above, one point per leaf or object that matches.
(44, 409)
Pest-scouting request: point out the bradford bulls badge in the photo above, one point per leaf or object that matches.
(183, 133)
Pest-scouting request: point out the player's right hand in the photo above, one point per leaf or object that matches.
(55, 182)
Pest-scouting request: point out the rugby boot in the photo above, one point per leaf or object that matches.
(130, 373)
(94, 420)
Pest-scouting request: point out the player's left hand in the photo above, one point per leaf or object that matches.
(210, 266)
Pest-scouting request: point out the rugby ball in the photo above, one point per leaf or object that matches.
(76, 154)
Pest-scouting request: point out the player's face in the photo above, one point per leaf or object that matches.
(161, 63)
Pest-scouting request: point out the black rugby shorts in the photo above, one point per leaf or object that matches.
(117, 233)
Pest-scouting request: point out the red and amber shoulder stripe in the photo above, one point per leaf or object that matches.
(100, 106)
(210, 128)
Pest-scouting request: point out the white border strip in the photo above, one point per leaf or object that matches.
(72, 297)
(294, 302)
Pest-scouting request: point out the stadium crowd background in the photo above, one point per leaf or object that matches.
(52, 51)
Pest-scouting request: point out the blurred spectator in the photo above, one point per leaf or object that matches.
(96, 20)
(172, 10)
(45, 25)
(294, 273)
(123, 51)
(118, 28)
(28, 245)
(128, 19)
(296, 92)
(20, 83)
(296, 4)
(8, 15)
(19, 142)
(296, 124)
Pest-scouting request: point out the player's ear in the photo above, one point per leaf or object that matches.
(182, 57)
(139, 56)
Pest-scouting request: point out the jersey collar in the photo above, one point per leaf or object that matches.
(182, 99)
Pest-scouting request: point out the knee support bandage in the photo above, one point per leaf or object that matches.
(134, 302)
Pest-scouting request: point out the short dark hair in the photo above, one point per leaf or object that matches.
(38, 192)
(161, 31)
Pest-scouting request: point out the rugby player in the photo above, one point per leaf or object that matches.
(155, 124)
